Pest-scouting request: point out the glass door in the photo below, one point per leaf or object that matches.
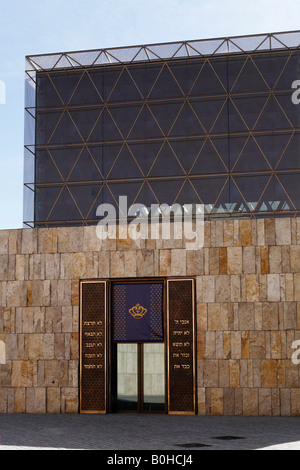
(127, 377)
(139, 377)
(153, 377)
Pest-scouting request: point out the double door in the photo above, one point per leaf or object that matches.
(139, 377)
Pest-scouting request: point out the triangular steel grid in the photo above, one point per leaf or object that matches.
(184, 178)
(165, 51)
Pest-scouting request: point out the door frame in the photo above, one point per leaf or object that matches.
(112, 359)
(109, 359)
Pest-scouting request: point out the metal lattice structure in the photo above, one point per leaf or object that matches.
(209, 121)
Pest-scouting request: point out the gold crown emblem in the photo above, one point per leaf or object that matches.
(137, 311)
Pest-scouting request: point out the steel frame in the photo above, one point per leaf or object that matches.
(123, 59)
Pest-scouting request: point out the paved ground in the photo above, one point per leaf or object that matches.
(147, 432)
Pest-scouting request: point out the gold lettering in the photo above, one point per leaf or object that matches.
(93, 333)
(176, 366)
(175, 354)
(177, 345)
(185, 366)
(185, 354)
(177, 332)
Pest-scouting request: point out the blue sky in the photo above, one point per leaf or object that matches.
(44, 26)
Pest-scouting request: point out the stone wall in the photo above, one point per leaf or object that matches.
(248, 311)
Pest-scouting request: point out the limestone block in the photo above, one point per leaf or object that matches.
(275, 261)
(40, 293)
(295, 401)
(264, 259)
(260, 232)
(295, 258)
(27, 320)
(210, 345)
(130, 263)
(252, 288)
(285, 402)
(52, 266)
(224, 375)
(229, 402)
(234, 260)
(297, 287)
(219, 233)
(16, 294)
(285, 259)
(269, 231)
(117, 264)
(270, 319)
(234, 373)
(29, 241)
(213, 260)
(269, 373)
(74, 346)
(53, 400)
(273, 287)
(249, 260)
(22, 267)
(217, 406)
(283, 231)
(144, 263)
(201, 401)
(4, 241)
(245, 232)
(265, 402)
(208, 288)
(228, 233)
(236, 345)
(246, 314)
(223, 260)
(69, 399)
(22, 373)
(67, 319)
(56, 373)
(36, 400)
(36, 346)
(73, 265)
(290, 315)
(214, 316)
(257, 348)
(250, 402)
(291, 374)
(19, 400)
(223, 288)
(235, 286)
(90, 240)
(276, 350)
(165, 260)
(70, 239)
(47, 240)
(104, 264)
(60, 346)
(210, 373)
(245, 338)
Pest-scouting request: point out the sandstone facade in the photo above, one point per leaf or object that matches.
(248, 312)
